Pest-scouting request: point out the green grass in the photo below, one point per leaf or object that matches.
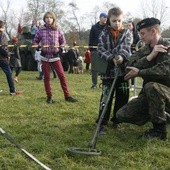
(47, 131)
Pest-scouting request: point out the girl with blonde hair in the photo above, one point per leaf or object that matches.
(52, 40)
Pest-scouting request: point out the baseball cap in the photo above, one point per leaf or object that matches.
(103, 15)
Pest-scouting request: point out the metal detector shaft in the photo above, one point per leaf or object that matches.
(93, 141)
(23, 150)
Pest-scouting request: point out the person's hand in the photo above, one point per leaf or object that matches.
(157, 48)
(132, 73)
(118, 60)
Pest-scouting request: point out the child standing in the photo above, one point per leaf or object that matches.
(4, 61)
(16, 57)
(87, 59)
(39, 64)
(52, 39)
(114, 47)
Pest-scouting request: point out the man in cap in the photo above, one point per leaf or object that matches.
(93, 42)
(152, 64)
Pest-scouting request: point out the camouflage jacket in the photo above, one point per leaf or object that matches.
(156, 70)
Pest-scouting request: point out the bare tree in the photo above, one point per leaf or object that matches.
(155, 8)
(75, 27)
(8, 18)
(33, 12)
(166, 33)
(98, 9)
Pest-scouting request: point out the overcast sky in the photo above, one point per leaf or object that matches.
(86, 6)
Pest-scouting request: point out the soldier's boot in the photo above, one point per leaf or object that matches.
(158, 131)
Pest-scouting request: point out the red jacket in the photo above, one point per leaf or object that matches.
(87, 57)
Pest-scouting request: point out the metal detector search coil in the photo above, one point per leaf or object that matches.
(84, 151)
(91, 149)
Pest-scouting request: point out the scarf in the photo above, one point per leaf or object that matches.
(115, 34)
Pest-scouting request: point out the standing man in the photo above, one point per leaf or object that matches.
(4, 61)
(93, 41)
(152, 64)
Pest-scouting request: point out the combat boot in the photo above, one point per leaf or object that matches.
(158, 131)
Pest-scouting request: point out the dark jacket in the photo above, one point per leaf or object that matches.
(94, 35)
(156, 70)
(73, 56)
(3, 49)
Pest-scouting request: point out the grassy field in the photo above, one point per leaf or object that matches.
(48, 130)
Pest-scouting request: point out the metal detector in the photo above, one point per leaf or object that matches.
(23, 150)
(91, 150)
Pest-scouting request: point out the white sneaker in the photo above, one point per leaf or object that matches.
(93, 86)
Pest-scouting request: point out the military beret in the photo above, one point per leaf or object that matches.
(147, 22)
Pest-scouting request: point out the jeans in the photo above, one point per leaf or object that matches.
(6, 69)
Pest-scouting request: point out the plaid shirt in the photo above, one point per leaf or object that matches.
(52, 38)
(108, 50)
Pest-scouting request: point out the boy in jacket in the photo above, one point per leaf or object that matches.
(115, 48)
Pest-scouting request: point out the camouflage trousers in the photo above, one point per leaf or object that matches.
(150, 105)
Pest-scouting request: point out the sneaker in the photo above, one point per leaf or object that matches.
(93, 86)
(39, 78)
(50, 100)
(16, 79)
(102, 130)
(16, 93)
(71, 99)
(152, 133)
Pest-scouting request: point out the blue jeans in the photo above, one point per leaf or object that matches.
(6, 69)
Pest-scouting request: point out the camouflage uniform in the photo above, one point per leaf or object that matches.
(154, 98)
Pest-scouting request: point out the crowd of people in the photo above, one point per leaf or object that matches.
(111, 52)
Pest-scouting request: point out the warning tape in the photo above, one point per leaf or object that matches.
(46, 46)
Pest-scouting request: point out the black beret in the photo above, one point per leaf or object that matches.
(147, 22)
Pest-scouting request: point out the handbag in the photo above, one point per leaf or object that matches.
(100, 65)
